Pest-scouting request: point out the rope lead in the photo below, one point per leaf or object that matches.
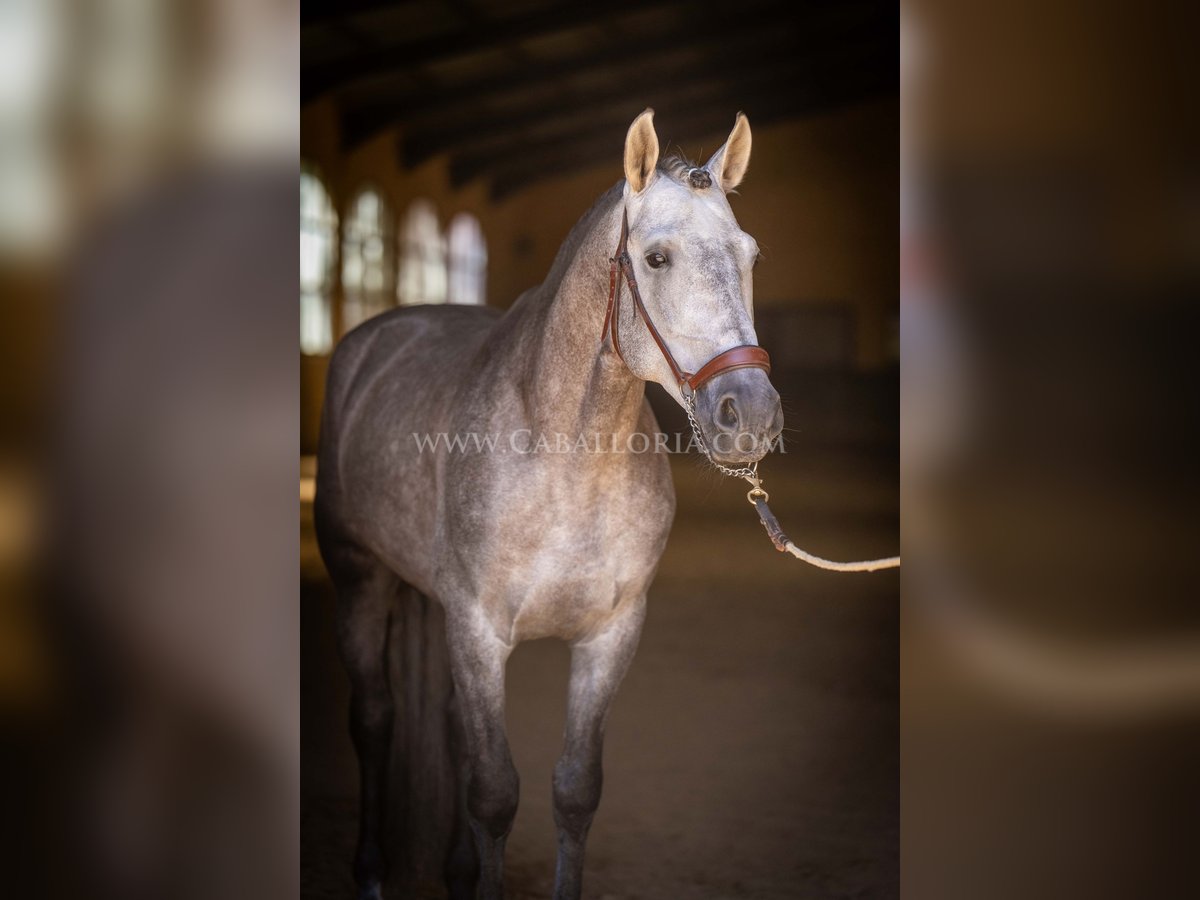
(758, 499)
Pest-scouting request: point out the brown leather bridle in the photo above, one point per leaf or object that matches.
(745, 356)
(741, 357)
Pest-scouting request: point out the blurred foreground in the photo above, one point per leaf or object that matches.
(148, 626)
(1049, 275)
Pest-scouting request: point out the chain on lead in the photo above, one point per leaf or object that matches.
(758, 498)
(750, 472)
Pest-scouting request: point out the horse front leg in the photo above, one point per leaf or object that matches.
(477, 659)
(597, 667)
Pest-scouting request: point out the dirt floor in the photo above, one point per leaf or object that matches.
(753, 750)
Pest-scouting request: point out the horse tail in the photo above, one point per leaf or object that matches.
(430, 835)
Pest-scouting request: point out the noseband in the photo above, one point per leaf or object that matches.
(741, 357)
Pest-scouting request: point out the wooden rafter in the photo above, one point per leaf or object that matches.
(797, 29)
(481, 34)
(503, 96)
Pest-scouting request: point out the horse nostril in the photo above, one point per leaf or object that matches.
(727, 418)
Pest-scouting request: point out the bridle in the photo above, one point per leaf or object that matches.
(741, 357)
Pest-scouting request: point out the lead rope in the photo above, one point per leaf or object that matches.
(758, 499)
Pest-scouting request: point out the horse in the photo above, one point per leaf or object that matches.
(513, 544)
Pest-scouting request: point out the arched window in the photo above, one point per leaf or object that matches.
(368, 282)
(468, 260)
(318, 236)
(422, 256)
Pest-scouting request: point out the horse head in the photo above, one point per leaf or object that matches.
(693, 266)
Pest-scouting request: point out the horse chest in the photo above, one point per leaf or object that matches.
(568, 576)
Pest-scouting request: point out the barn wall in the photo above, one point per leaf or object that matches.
(821, 198)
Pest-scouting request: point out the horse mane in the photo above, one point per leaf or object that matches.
(677, 166)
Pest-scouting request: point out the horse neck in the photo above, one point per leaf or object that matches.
(578, 385)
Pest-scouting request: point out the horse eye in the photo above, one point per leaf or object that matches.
(656, 260)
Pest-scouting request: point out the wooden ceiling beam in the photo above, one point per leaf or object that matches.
(482, 34)
(360, 125)
(750, 86)
(673, 103)
(704, 34)
(642, 86)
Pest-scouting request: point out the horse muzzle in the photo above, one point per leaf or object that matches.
(740, 416)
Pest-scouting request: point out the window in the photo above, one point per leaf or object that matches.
(422, 256)
(318, 233)
(367, 260)
(468, 260)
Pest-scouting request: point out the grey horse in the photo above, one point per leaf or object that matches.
(512, 539)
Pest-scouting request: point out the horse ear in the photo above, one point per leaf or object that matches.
(641, 151)
(728, 165)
